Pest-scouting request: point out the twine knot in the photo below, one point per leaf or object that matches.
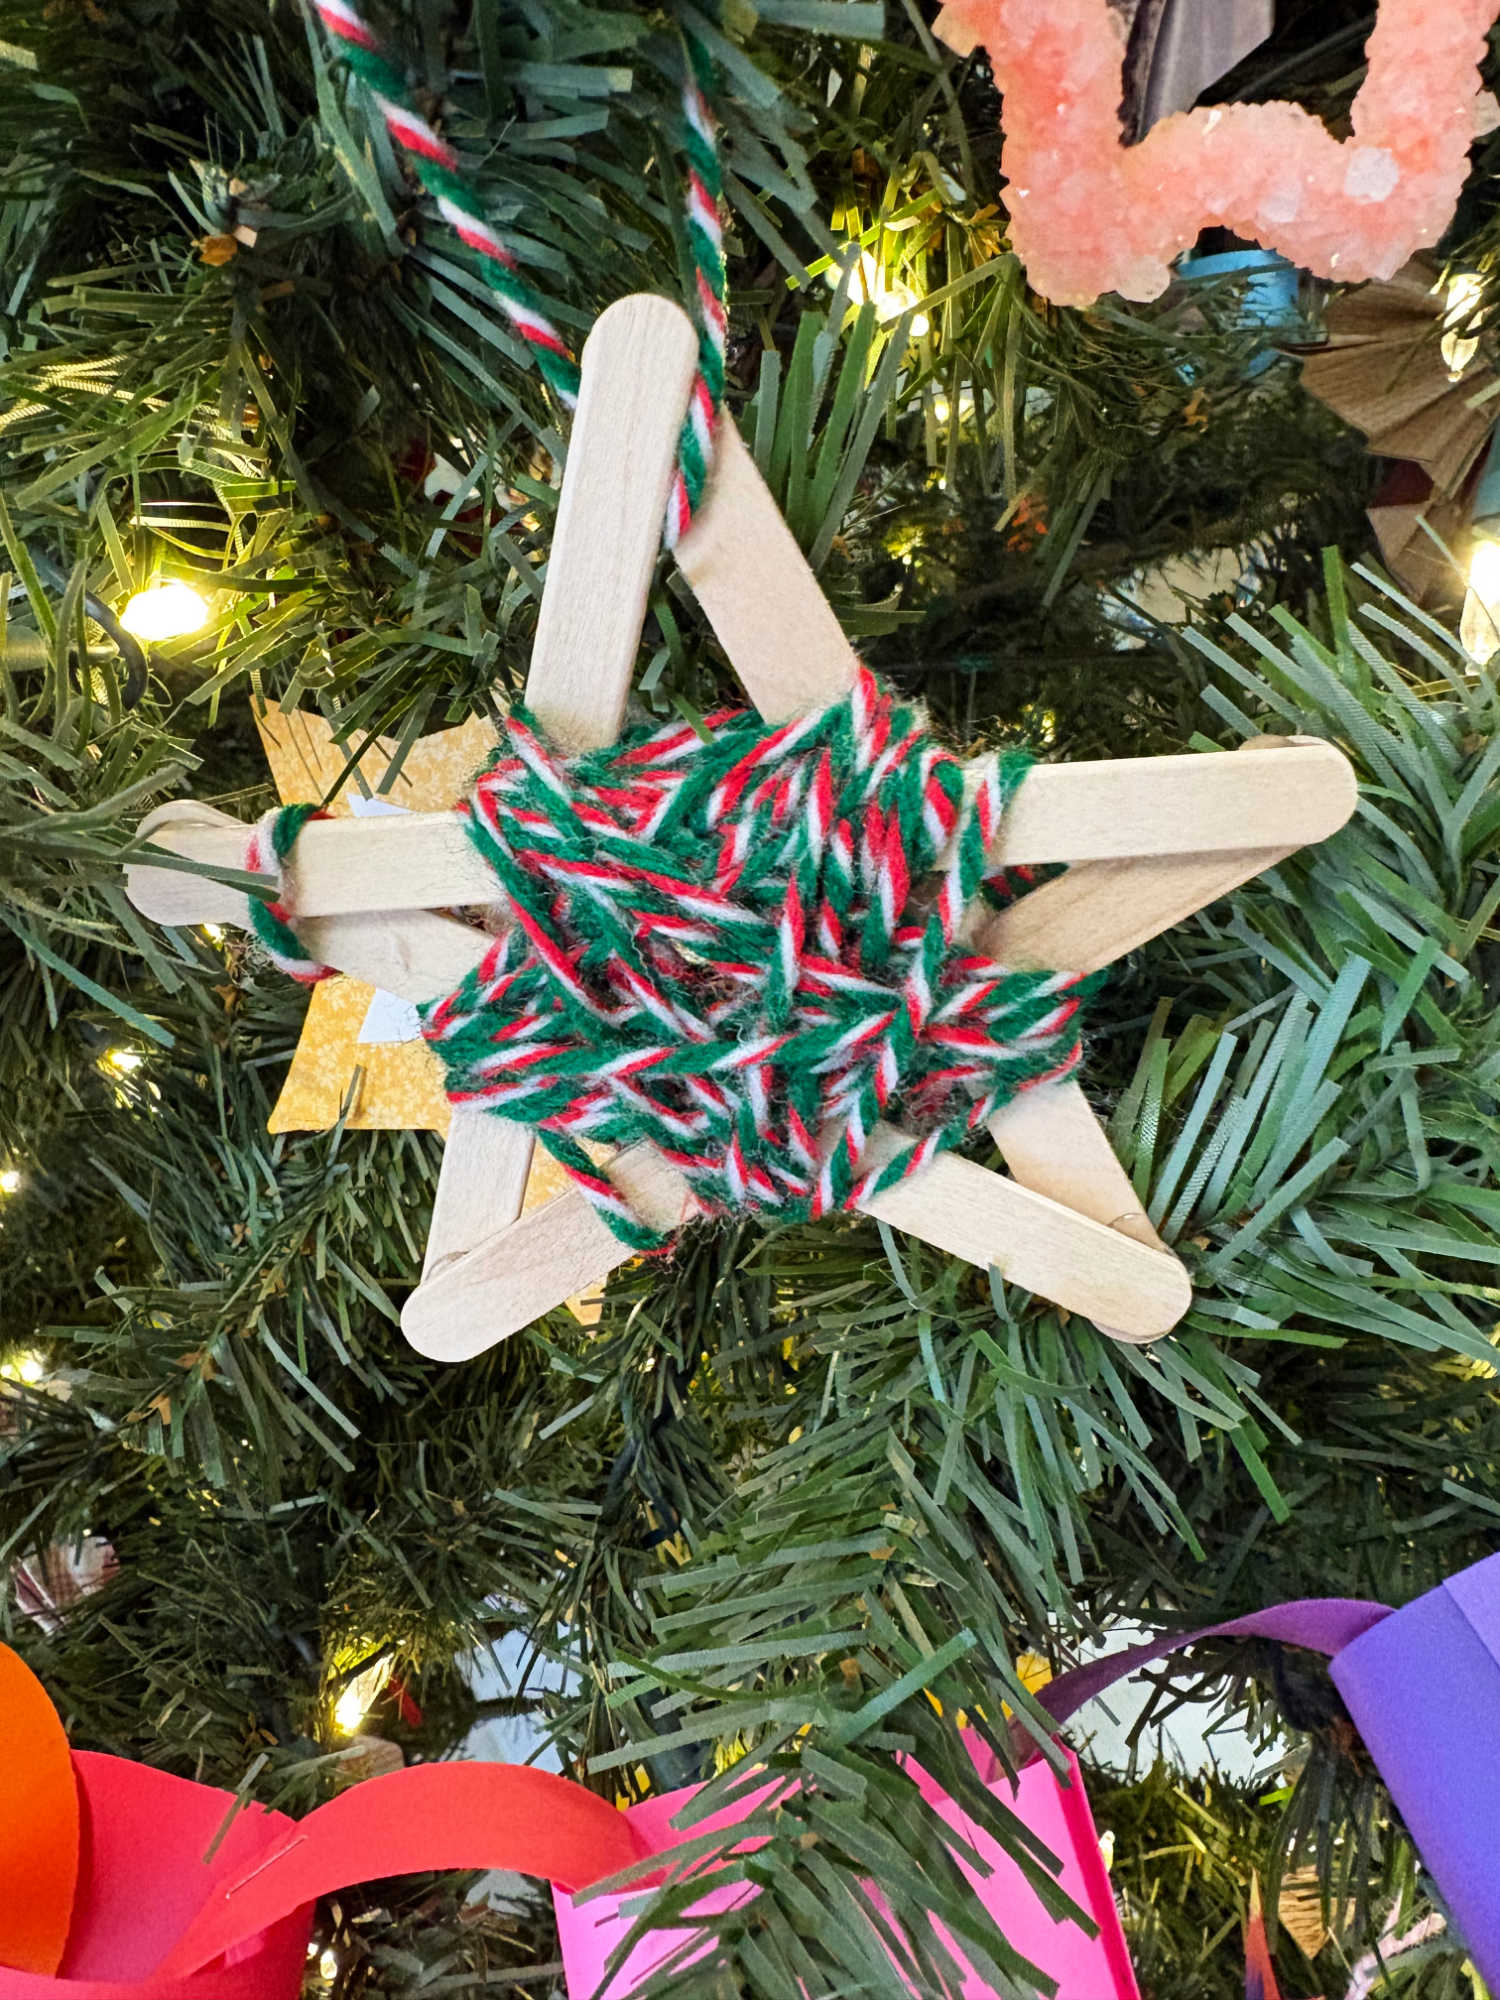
(743, 944)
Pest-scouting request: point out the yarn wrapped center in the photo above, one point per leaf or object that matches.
(744, 944)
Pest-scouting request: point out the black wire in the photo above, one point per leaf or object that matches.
(133, 654)
(131, 651)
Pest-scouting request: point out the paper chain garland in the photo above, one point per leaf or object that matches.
(723, 942)
(441, 172)
(1090, 215)
(134, 1911)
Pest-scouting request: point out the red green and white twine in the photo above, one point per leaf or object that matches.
(270, 848)
(441, 172)
(746, 950)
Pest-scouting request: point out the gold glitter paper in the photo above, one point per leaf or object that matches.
(400, 1084)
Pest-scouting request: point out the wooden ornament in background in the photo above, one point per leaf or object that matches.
(1384, 371)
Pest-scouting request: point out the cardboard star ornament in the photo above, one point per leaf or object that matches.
(1423, 401)
(1148, 841)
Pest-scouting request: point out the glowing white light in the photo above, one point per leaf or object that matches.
(349, 1710)
(166, 611)
(10, 1180)
(360, 1695)
(1479, 631)
(889, 297)
(942, 409)
(1465, 289)
(123, 1061)
(28, 1367)
(328, 1966)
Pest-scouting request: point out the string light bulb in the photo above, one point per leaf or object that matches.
(1479, 630)
(889, 296)
(122, 1061)
(168, 610)
(943, 411)
(10, 1180)
(1465, 290)
(349, 1710)
(359, 1696)
(28, 1366)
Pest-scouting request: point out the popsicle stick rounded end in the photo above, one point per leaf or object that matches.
(516, 1274)
(1338, 787)
(1158, 1309)
(198, 832)
(641, 314)
(438, 1333)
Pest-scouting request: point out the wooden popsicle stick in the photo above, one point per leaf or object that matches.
(1042, 1245)
(1051, 1135)
(961, 1208)
(1097, 921)
(1146, 808)
(415, 954)
(203, 835)
(481, 1185)
(551, 1253)
(637, 371)
(1051, 1140)
(1102, 909)
(758, 591)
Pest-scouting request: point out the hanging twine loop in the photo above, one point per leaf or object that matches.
(441, 172)
(746, 950)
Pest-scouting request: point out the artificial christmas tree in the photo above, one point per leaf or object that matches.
(801, 1497)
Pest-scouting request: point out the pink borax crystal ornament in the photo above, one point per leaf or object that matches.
(1090, 215)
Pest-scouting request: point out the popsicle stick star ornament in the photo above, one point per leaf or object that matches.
(1148, 840)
